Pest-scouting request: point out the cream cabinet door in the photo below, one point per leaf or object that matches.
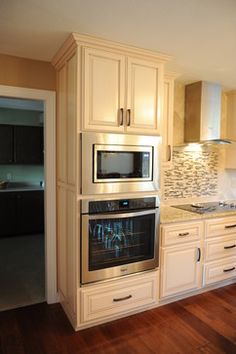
(181, 269)
(168, 117)
(144, 96)
(103, 90)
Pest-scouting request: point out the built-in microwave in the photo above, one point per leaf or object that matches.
(116, 163)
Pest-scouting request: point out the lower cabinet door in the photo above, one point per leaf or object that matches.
(103, 301)
(181, 269)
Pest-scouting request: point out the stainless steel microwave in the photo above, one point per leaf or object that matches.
(117, 163)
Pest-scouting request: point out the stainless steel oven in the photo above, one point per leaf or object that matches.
(119, 237)
(114, 163)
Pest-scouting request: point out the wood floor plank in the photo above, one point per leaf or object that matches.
(201, 324)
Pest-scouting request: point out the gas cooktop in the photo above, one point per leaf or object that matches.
(211, 207)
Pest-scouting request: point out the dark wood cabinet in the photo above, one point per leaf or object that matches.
(28, 145)
(8, 225)
(21, 145)
(6, 144)
(21, 213)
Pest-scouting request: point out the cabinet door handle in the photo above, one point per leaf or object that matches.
(122, 298)
(169, 153)
(199, 255)
(229, 269)
(182, 234)
(230, 226)
(121, 116)
(128, 117)
(228, 247)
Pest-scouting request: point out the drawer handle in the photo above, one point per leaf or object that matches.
(184, 234)
(230, 226)
(228, 247)
(122, 298)
(229, 269)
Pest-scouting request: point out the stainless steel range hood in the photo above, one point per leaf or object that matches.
(203, 113)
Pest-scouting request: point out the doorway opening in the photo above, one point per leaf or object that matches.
(27, 197)
(22, 256)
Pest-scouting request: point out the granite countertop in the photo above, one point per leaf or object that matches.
(21, 187)
(170, 214)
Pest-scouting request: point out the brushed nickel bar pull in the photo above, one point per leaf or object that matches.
(228, 247)
(229, 269)
(121, 120)
(128, 117)
(230, 226)
(169, 153)
(184, 234)
(122, 298)
(199, 254)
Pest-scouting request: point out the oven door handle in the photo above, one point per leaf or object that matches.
(120, 215)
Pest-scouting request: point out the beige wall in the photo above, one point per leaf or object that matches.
(21, 72)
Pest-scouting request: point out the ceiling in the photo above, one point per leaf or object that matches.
(200, 34)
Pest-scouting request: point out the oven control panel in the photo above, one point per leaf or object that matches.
(104, 206)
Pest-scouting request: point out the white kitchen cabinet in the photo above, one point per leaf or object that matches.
(144, 95)
(168, 118)
(103, 90)
(181, 258)
(220, 250)
(121, 93)
(180, 269)
(101, 302)
(102, 86)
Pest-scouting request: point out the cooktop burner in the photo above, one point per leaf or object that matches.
(203, 208)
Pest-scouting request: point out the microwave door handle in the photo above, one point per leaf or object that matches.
(121, 215)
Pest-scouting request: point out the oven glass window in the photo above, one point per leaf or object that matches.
(123, 164)
(114, 242)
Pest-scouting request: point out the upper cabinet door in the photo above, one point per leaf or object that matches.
(6, 144)
(168, 118)
(28, 143)
(144, 96)
(103, 89)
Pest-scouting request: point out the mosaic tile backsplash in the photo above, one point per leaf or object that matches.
(192, 174)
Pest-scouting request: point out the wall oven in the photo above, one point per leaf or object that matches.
(119, 237)
(115, 163)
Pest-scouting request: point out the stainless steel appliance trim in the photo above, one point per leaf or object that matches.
(87, 142)
(85, 202)
(132, 148)
(119, 215)
(116, 271)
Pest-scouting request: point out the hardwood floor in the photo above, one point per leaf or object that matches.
(201, 324)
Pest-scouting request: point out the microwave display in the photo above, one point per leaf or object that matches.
(120, 164)
(115, 163)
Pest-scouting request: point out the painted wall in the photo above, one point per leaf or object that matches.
(20, 117)
(21, 72)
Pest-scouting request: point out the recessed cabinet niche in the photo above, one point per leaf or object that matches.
(21, 144)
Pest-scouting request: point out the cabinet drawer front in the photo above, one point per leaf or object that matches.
(221, 247)
(181, 233)
(220, 270)
(107, 301)
(220, 227)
